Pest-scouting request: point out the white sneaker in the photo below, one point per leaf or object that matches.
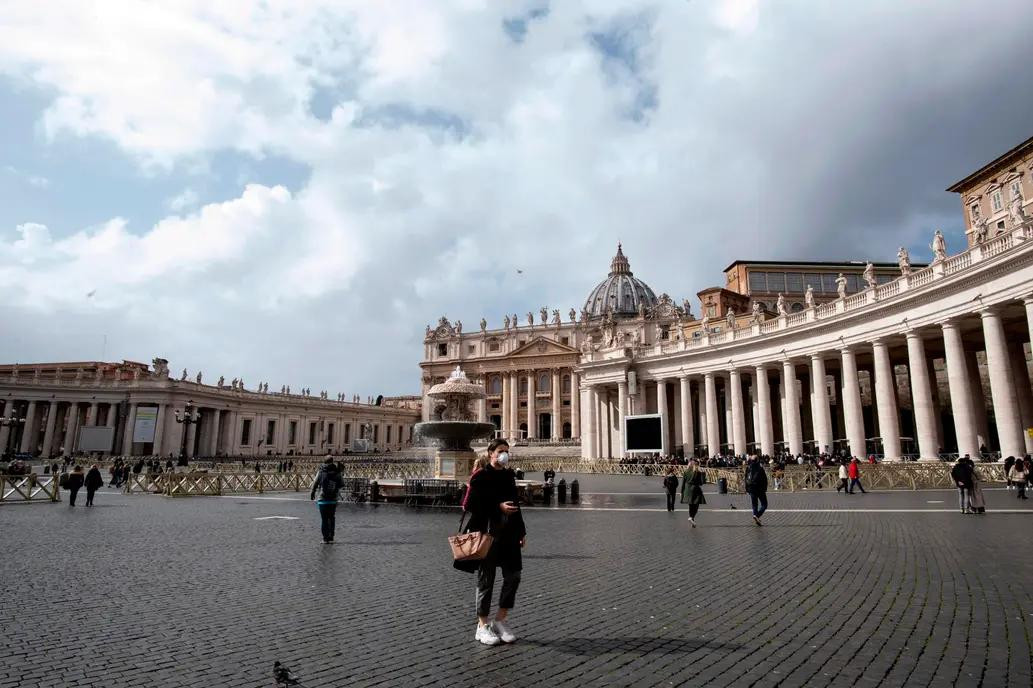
(504, 633)
(486, 635)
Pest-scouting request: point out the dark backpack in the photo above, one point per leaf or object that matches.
(330, 486)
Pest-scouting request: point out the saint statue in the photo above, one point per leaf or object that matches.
(506, 321)
(869, 275)
(939, 247)
(981, 229)
(516, 320)
(756, 312)
(730, 318)
(184, 375)
(705, 323)
(530, 318)
(780, 305)
(544, 312)
(808, 297)
(222, 381)
(573, 315)
(1015, 210)
(198, 377)
(459, 326)
(641, 309)
(841, 286)
(484, 324)
(904, 261)
(428, 331)
(555, 317)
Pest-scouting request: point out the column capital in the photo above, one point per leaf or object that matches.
(912, 334)
(989, 311)
(949, 324)
(1028, 300)
(817, 356)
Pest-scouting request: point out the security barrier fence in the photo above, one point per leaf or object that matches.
(28, 488)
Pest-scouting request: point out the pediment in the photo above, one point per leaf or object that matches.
(540, 346)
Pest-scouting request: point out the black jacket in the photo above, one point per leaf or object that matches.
(489, 487)
(94, 479)
(328, 482)
(75, 481)
(671, 483)
(962, 474)
(755, 480)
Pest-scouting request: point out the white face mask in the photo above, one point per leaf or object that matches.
(503, 458)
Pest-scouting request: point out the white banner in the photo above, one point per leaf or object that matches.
(96, 438)
(146, 420)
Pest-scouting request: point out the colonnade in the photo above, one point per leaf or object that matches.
(517, 409)
(815, 402)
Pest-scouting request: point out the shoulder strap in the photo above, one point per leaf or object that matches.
(461, 519)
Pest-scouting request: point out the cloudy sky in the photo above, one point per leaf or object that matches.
(291, 191)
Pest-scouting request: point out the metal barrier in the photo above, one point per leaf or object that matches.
(437, 491)
(29, 488)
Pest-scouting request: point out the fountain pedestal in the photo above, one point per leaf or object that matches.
(453, 427)
(453, 465)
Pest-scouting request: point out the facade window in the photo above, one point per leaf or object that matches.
(565, 341)
(974, 211)
(312, 433)
(330, 433)
(442, 349)
(758, 281)
(292, 432)
(544, 383)
(776, 281)
(270, 431)
(495, 386)
(995, 201)
(796, 307)
(410, 434)
(712, 311)
(828, 283)
(523, 385)
(362, 431)
(347, 433)
(399, 434)
(852, 282)
(376, 434)
(1016, 190)
(245, 432)
(471, 348)
(521, 342)
(665, 333)
(493, 346)
(794, 281)
(566, 384)
(388, 438)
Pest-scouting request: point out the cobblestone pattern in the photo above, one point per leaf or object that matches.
(148, 591)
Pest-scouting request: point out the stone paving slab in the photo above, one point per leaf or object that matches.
(150, 591)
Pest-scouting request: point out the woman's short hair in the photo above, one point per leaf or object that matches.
(495, 444)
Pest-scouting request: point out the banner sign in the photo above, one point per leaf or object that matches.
(146, 420)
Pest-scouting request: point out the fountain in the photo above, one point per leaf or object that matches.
(453, 426)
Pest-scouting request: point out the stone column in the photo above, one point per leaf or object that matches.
(557, 405)
(514, 406)
(213, 434)
(532, 413)
(109, 420)
(765, 432)
(622, 409)
(702, 417)
(191, 431)
(661, 408)
(166, 431)
(1020, 374)
(960, 390)
(231, 437)
(886, 400)
(593, 421)
(29, 429)
(48, 432)
(791, 420)
(853, 418)
(738, 429)
(91, 416)
(980, 413)
(575, 405)
(127, 434)
(821, 416)
(922, 398)
(5, 430)
(1002, 389)
(584, 395)
(713, 428)
(71, 428)
(506, 410)
(687, 439)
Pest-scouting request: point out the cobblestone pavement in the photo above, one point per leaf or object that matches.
(887, 589)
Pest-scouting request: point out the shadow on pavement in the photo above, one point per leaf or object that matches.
(639, 645)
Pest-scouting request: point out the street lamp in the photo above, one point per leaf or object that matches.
(188, 416)
(9, 422)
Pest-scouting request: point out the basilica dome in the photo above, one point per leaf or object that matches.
(621, 291)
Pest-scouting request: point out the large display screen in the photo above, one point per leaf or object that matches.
(643, 433)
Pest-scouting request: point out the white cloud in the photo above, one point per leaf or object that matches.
(454, 154)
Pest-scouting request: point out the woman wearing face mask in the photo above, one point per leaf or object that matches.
(492, 503)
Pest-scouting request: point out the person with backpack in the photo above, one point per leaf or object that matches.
(73, 484)
(755, 481)
(93, 482)
(329, 483)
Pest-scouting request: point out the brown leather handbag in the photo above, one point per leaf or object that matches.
(469, 546)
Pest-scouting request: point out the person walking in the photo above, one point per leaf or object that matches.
(755, 480)
(1018, 475)
(843, 475)
(74, 484)
(328, 482)
(492, 505)
(854, 471)
(670, 487)
(961, 474)
(976, 500)
(692, 489)
(93, 481)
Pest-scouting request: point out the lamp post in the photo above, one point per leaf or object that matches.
(188, 416)
(9, 422)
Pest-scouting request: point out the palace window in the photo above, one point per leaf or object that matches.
(776, 281)
(995, 201)
(565, 341)
(442, 349)
(494, 345)
(311, 433)
(292, 432)
(376, 434)
(245, 432)
(270, 431)
(495, 385)
(974, 210)
(330, 433)
(794, 281)
(1016, 190)
(388, 438)
(566, 384)
(852, 282)
(796, 307)
(471, 348)
(544, 383)
(523, 385)
(758, 281)
(347, 433)
(828, 283)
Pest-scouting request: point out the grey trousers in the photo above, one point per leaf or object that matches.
(510, 566)
(963, 497)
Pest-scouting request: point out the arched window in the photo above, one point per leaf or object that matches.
(566, 384)
(523, 384)
(797, 307)
(544, 382)
(495, 385)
